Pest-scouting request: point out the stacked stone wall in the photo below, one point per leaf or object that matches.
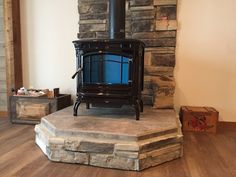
(151, 21)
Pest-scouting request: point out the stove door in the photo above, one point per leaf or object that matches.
(106, 68)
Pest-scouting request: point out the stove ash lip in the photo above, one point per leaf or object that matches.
(108, 40)
(108, 44)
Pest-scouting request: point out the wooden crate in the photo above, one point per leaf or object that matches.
(30, 110)
(199, 119)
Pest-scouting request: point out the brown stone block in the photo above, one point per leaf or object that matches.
(134, 147)
(159, 159)
(165, 91)
(148, 92)
(147, 58)
(166, 12)
(163, 59)
(127, 154)
(163, 81)
(164, 2)
(165, 24)
(161, 50)
(128, 26)
(158, 143)
(164, 97)
(161, 151)
(164, 102)
(128, 35)
(139, 8)
(147, 82)
(157, 71)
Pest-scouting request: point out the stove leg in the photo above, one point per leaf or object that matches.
(76, 105)
(141, 105)
(87, 105)
(137, 109)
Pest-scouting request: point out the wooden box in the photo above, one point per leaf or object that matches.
(199, 119)
(30, 110)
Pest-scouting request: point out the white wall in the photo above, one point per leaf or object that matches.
(206, 55)
(48, 29)
(206, 50)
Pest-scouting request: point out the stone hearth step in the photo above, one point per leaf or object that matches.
(111, 137)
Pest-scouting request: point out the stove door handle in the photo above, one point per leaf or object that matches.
(79, 70)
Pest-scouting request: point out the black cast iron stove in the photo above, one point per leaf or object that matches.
(110, 71)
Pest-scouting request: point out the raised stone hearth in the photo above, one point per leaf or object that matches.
(111, 137)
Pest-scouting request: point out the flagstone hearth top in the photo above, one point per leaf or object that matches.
(111, 123)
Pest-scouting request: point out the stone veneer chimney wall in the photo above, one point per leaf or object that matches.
(154, 23)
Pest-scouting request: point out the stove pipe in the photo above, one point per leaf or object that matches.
(116, 19)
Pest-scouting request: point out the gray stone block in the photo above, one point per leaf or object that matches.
(154, 160)
(154, 35)
(141, 15)
(160, 42)
(102, 35)
(86, 35)
(81, 158)
(166, 12)
(93, 8)
(96, 147)
(147, 100)
(91, 16)
(141, 2)
(143, 25)
(110, 161)
(92, 27)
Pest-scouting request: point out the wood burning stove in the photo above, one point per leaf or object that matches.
(110, 71)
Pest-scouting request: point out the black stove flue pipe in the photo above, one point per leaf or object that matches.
(117, 19)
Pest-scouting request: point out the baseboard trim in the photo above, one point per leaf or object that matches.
(3, 114)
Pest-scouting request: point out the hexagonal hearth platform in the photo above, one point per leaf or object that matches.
(111, 137)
